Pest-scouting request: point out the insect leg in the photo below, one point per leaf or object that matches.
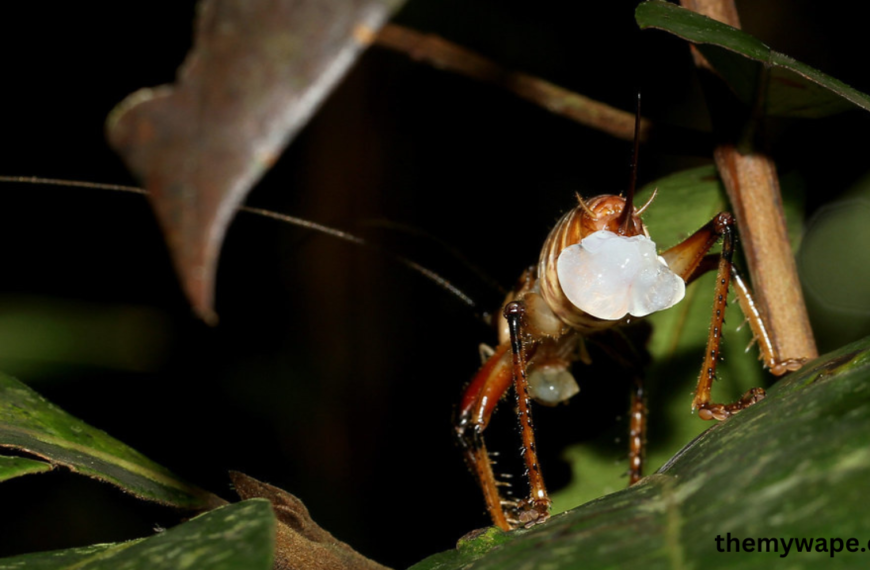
(537, 507)
(621, 348)
(689, 259)
(636, 431)
(684, 262)
(478, 403)
(769, 355)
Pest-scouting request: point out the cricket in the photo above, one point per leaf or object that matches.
(598, 269)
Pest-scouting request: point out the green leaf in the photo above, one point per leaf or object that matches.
(11, 467)
(684, 202)
(234, 537)
(791, 87)
(41, 337)
(30, 423)
(840, 307)
(794, 466)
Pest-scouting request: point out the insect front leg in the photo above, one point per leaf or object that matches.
(508, 365)
(537, 507)
(689, 259)
(478, 403)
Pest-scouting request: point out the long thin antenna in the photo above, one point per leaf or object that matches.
(452, 251)
(300, 222)
(627, 212)
(340, 234)
(73, 183)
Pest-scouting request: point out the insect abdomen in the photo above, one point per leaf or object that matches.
(599, 213)
(568, 231)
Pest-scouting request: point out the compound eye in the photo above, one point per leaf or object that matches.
(552, 385)
(610, 276)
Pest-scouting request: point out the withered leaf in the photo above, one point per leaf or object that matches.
(300, 543)
(256, 73)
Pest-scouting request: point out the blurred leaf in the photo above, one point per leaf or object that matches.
(38, 334)
(835, 269)
(300, 542)
(257, 72)
(792, 88)
(234, 537)
(794, 206)
(11, 467)
(793, 466)
(30, 423)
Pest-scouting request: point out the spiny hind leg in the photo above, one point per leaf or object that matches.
(689, 259)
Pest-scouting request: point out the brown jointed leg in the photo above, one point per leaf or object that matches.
(771, 359)
(636, 431)
(478, 403)
(688, 259)
(536, 508)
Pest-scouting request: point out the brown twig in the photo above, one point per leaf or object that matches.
(447, 56)
(750, 179)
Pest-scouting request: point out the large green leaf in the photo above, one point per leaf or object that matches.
(234, 537)
(30, 423)
(794, 466)
(791, 87)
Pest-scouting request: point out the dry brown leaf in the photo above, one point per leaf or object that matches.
(257, 72)
(300, 543)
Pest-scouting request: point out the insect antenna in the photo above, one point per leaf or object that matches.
(432, 276)
(628, 210)
(441, 244)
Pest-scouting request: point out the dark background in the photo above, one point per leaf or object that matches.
(334, 371)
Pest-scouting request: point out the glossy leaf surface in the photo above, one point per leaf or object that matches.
(234, 537)
(790, 87)
(30, 423)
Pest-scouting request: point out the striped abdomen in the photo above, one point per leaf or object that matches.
(600, 213)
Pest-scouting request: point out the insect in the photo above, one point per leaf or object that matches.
(556, 305)
(598, 269)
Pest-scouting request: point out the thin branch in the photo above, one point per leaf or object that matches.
(752, 184)
(447, 56)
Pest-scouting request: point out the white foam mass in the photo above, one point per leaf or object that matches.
(552, 385)
(610, 276)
